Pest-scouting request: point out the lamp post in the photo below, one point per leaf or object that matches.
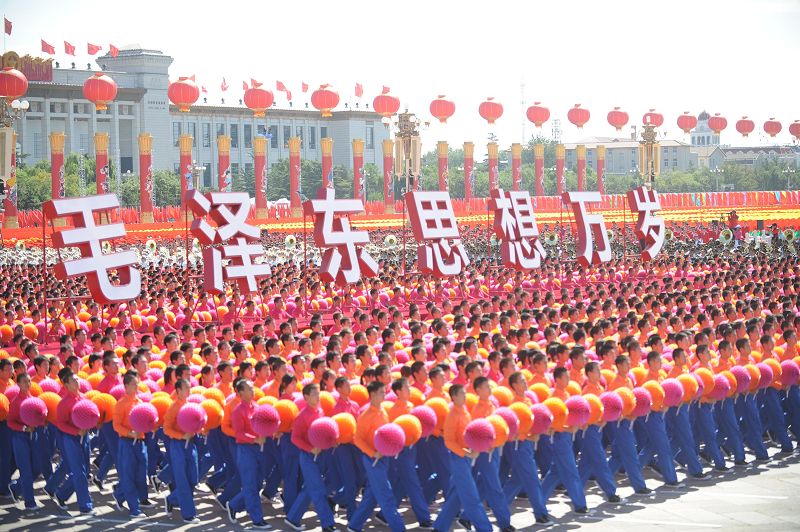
(789, 172)
(13, 112)
(649, 154)
(717, 171)
(408, 158)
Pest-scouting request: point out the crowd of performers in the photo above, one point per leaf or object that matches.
(594, 375)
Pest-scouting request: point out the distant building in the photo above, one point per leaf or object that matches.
(752, 156)
(702, 135)
(622, 155)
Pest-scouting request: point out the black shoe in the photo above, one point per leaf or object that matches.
(147, 503)
(62, 505)
(381, 519)
(509, 528)
(644, 491)
(231, 513)
(425, 525)
(724, 468)
(50, 494)
(263, 525)
(582, 510)
(675, 484)
(167, 506)
(701, 476)
(117, 502)
(97, 482)
(762, 459)
(212, 490)
(465, 523)
(740, 463)
(544, 519)
(614, 498)
(293, 525)
(785, 451)
(329, 529)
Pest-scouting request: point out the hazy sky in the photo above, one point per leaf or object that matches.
(732, 57)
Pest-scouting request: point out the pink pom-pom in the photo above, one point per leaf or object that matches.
(191, 418)
(578, 411)
(145, 397)
(479, 435)
(643, 402)
(266, 421)
(151, 385)
(766, 375)
(790, 373)
(84, 385)
(33, 412)
(85, 414)
(323, 433)
(700, 386)
(50, 385)
(427, 418)
(117, 391)
(143, 417)
(722, 387)
(195, 398)
(299, 402)
(532, 397)
(612, 406)
(401, 356)
(154, 374)
(511, 419)
(542, 419)
(742, 378)
(389, 439)
(11, 392)
(673, 392)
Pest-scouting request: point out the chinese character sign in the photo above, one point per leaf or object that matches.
(344, 261)
(515, 227)
(228, 210)
(440, 251)
(649, 228)
(89, 238)
(593, 245)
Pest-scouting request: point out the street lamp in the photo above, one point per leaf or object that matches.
(10, 113)
(789, 172)
(717, 171)
(649, 154)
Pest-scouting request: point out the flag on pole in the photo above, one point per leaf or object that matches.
(359, 90)
(224, 86)
(93, 48)
(288, 96)
(8, 25)
(113, 50)
(305, 86)
(69, 49)
(244, 86)
(280, 86)
(203, 89)
(47, 48)
(255, 84)
(385, 90)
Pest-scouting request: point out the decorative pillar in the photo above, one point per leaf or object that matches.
(224, 158)
(294, 175)
(101, 162)
(516, 166)
(10, 203)
(327, 162)
(442, 150)
(601, 169)
(469, 169)
(146, 177)
(185, 146)
(359, 180)
(57, 139)
(538, 163)
(260, 175)
(388, 160)
(561, 154)
(493, 170)
(580, 152)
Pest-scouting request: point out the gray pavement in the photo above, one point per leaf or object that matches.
(753, 497)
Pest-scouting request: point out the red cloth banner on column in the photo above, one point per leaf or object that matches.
(538, 162)
(101, 162)
(580, 152)
(442, 152)
(601, 169)
(146, 176)
(185, 146)
(560, 156)
(388, 161)
(224, 158)
(57, 164)
(494, 171)
(327, 162)
(516, 166)
(294, 173)
(10, 202)
(260, 172)
(359, 179)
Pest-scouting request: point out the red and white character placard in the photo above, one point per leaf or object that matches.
(649, 228)
(515, 227)
(440, 251)
(344, 261)
(228, 210)
(88, 238)
(593, 245)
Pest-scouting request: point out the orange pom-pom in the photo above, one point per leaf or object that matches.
(288, 411)
(51, 399)
(708, 380)
(30, 331)
(215, 394)
(267, 400)
(656, 393)
(4, 404)
(755, 376)
(690, 386)
(501, 430)
(573, 388)
(411, 427)
(327, 402)
(442, 408)
(94, 379)
(559, 411)
(416, 397)
(214, 413)
(347, 427)
(503, 395)
(597, 408)
(639, 375)
(628, 400)
(36, 390)
(525, 417)
(6, 333)
(162, 403)
(136, 321)
(471, 401)
(105, 404)
(541, 390)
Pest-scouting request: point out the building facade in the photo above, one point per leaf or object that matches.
(142, 106)
(622, 155)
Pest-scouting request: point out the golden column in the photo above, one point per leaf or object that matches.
(295, 185)
(259, 175)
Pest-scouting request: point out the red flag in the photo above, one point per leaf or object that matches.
(8, 25)
(280, 86)
(203, 88)
(113, 50)
(288, 95)
(224, 85)
(192, 77)
(255, 84)
(93, 48)
(385, 90)
(359, 90)
(69, 49)
(305, 87)
(244, 86)
(48, 48)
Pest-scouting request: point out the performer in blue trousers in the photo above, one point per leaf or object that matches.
(182, 453)
(132, 451)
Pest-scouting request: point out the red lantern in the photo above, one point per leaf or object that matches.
(386, 105)
(100, 90)
(617, 118)
(687, 122)
(772, 127)
(490, 110)
(578, 116)
(538, 114)
(13, 84)
(717, 123)
(652, 117)
(183, 93)
(258, 100)
(794, 129)
(324, 100)
(442, 109)
(745, 126)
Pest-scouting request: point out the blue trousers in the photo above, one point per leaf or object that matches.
(792, 403)
(111, 441)
(772, 412)
(58, 482)
(729, 435)
(347, 464)
(76, 457)
(623, 452)
(218, 449)
(523, 476)
(403, 478)
(290, 469)
(183, 461)
(377, 493)
(752, 430)
(487, 480)
(132, 471)
(252, 468)
(273, 460)
(462, 496)
(436, 477)
(682, 439)
(705, 427)
(233, 484)
(7, 464)
(593, 461)
(313, 492)
(564, 470)
(657, 445)
(23, 445)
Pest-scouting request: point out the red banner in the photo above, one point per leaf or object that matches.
(224, 162)
(516, 166)
(185, 144)
(601, 169)
(493, 168)
(294, 173)
(388, 161)
(327, 162)
(442, 151)
(560, 155)
(359, 180)
(580, 152)
(260, 168)
(10, 203)
(101, 162)
(538, 162)
(146, 176)
(469, 169)
(57, 165)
